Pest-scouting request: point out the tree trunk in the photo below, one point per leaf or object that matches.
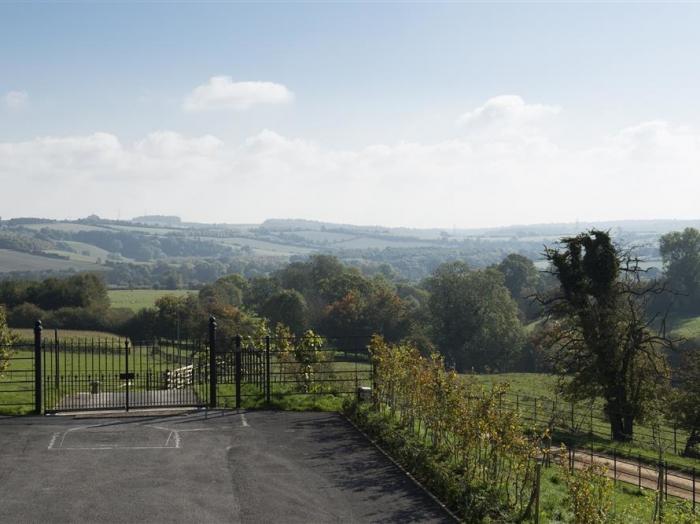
(693, 440)
(621, 424)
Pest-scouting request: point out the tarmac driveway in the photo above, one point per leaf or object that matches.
(219, 466)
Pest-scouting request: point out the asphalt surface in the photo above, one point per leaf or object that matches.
(203, 467)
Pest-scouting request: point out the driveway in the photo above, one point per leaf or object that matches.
(216, 466)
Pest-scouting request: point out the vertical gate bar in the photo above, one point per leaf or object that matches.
(693, 490)
(37, 367)
(212, 362)
(267, 369)
(238, 371)
(126, 357)
(56, 361)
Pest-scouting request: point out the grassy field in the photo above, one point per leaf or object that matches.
(136, 299)
(17, 385)
(533, 384)
(28, 334)
(583, 424)
(18, 261)
(629, 503)
(686, 327)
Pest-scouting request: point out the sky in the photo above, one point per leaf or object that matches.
(399, 114)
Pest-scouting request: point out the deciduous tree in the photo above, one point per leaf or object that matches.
(602, 337)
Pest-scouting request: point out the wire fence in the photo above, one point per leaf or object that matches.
(658, 476)
(588, 419)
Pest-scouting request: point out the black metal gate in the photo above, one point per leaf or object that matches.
(85, 374)
(100, 374)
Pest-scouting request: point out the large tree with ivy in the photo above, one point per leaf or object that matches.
(601, 332)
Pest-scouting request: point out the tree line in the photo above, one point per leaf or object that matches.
(595, 317)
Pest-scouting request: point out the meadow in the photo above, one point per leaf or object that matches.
(20, 261)
(584, 424)
(136, 299)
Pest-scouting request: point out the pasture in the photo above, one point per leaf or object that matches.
(27, 334)
(584, 424)
(137, 299)
(11, 260)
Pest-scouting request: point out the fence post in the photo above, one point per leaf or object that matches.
(675, 445)
(238, 371)
(535, 411)
(37, 367)
(693, 490)
(573, 423)
(665, 480)
(538, 473)
(212, 362)
(267, 369)
(614, 466)
(639, 470)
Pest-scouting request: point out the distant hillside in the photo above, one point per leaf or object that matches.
(157, 220)
(164, 250)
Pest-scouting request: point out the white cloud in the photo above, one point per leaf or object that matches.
(221, 92)
(16, 100)
(472, 180)
(506, 113)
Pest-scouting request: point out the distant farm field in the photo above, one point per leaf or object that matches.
(28, 334)
(688, 327)
(136, 299)
(19, 261)
(531, 384)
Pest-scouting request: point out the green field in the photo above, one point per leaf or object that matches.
(28, 334)
(583, 424)
(19, 261)
(17, 384)
(136, 299)
(686, 327)
(629, 503)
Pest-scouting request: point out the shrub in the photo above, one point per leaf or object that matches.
(589, 494)
(7, 338)
(472, 449)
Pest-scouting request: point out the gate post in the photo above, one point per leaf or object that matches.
(212, 362)
(238, 371)
(37, 367)
(267, 369)
(127, 374)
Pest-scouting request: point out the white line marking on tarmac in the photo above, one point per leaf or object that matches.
(244, 422)
(117, 447)
(53, 440)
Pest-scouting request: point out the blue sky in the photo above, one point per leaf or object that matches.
(400, 114)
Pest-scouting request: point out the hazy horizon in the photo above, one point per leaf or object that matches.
(399, 115)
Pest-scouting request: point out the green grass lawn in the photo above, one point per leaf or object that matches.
(136, 299)
(17, 384)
